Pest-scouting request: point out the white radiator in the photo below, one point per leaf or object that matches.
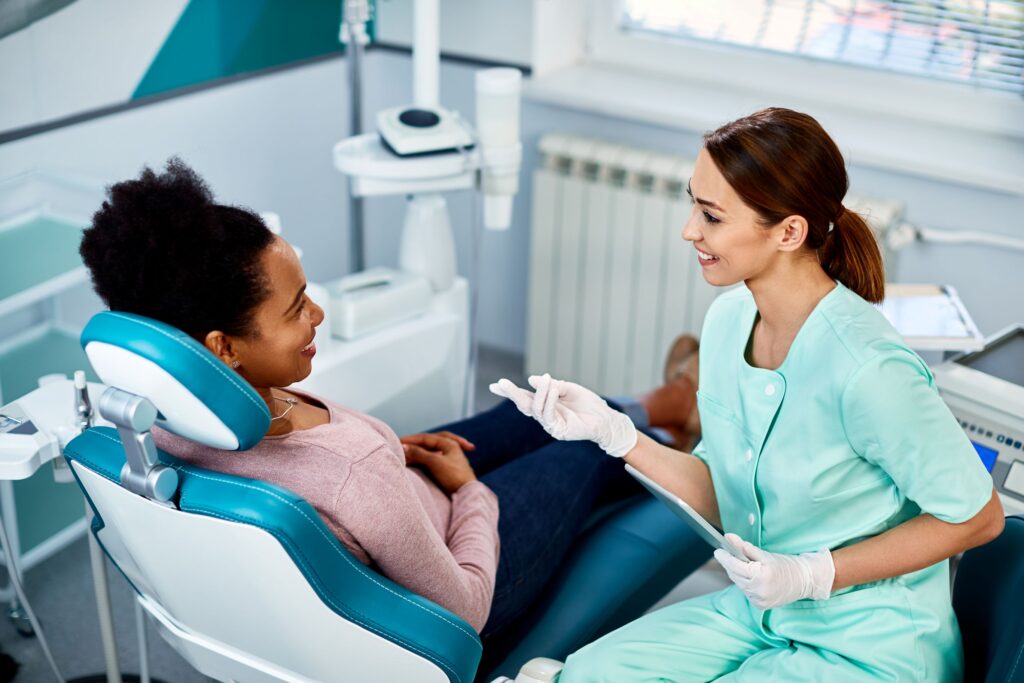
(612, 282)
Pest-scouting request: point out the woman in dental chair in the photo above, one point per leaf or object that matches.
(475, 516)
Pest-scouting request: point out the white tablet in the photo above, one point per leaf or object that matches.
(700, 526)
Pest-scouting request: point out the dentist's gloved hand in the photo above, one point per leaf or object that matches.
(569, 412)
(772, 580)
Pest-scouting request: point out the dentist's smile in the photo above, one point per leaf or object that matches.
(706, 259)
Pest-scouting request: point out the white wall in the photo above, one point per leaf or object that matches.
(266, 143)
(496, 30)
(77, 59)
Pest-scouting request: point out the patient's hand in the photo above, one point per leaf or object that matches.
(442, 455)
(466, 444)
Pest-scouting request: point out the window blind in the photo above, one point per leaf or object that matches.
(976, 42)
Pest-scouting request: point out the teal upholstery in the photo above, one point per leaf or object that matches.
(237, 405)
(988, 596)
(345, 585)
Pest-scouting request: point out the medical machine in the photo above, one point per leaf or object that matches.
(420, 151)
(683, 511)
(424, 127)
(409, 131)
(985, 391)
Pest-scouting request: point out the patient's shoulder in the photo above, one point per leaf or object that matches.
(349, 435)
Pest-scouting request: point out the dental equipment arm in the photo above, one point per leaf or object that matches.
(568, 411)
(35, 427)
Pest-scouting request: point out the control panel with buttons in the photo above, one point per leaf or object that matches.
(1002, 453)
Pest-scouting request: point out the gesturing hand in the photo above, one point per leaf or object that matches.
(570, 412)
(442, 455)
(773, 579)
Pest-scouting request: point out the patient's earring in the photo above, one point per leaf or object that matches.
(235, 363)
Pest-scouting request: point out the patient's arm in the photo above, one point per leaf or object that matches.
(681, 473)
(380, 508)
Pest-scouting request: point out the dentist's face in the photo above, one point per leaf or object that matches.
(732, 245)
(281, 350)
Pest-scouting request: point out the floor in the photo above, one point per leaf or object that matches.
(60, 591)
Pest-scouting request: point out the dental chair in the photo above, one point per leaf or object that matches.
(988, 596)
(245, 580)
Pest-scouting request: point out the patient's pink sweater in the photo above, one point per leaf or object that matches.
(352, 470)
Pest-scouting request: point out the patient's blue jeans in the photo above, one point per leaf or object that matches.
(546, 491)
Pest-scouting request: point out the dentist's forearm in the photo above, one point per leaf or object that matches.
(917, 543)
(681, 473)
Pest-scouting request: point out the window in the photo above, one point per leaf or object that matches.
(976, 42)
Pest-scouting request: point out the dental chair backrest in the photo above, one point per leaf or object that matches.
(242, 577)
(988, 595)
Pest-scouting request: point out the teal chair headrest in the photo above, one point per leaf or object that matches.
(197, 396)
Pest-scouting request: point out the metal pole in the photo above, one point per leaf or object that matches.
(99, 579)
(356, 14)
(140, 630)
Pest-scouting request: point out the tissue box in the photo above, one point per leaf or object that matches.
(376, 298)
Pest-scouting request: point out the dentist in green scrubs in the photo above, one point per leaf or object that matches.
(827, 456)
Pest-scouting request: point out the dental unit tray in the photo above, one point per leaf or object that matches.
(375, 298)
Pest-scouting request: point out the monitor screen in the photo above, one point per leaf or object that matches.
(988, 455)
(1003, 359)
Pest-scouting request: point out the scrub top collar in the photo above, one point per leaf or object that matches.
(811, 320)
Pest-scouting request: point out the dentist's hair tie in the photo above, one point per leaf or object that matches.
(832, 223)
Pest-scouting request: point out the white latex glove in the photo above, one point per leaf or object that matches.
(569, 412)
(772, 580)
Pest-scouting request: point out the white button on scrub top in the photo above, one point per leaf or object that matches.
(749, 455)
(769, 390)
(751, 518)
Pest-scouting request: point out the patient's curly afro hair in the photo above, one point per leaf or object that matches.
(161, 247)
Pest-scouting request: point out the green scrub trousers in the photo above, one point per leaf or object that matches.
(846, 439)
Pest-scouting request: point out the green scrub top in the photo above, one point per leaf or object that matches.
(846, 439)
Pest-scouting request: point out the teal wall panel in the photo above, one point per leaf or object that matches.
(220, 38)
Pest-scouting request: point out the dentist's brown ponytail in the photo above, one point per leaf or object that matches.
(850, 254)
(782, 163)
